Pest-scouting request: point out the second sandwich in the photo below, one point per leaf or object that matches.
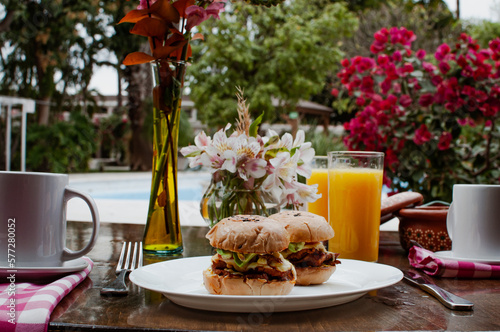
(313, 263)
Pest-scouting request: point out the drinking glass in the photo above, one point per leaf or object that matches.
(319, 176)
(354, 193)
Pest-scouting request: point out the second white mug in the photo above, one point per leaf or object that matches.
(474, 221)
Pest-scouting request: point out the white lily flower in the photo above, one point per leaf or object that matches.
(287, 141)
(306, 153)
(300, 193)
(202, 140)
(247, 162)
(221, 141)
(230, 159)
(300, 137)
(284, 169)
(253, 168)
(211, 161)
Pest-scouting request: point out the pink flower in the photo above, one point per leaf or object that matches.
(144, 4)
(392, 99)
(367, 84)
(494, 45)
(444, 67)
(386, 85)
(450, 107)
(428, 67)
(196, 14)
(408, 68)
(396, 88)
(391, 158)
(422, 135)
(381, 38)
(360, 101)
(377, 47)
(383, 59)
(396, 56)
(420, 54)
(364, 64)
(442, 51)
(426, 100)
(436, 80)
(444, 141)
(335, 92)
(405, 100)
(382, 35)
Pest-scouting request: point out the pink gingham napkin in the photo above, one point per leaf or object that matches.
(448, 268)
(34, 303)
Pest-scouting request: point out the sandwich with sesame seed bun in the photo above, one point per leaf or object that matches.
(248, 259)
(313, 263)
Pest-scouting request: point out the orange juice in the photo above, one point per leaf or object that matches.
(354, 197)
(319, 176)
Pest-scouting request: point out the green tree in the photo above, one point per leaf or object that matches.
(282, 53)
(49, 46)
(484, 31)
(137, 83)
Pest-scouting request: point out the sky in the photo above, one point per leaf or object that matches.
(105, 80)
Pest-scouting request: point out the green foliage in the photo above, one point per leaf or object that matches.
(52, 47)
(282, 52)
(63, 147)
(112, 133)
(186, 133)
(484, 31)
(323, 143)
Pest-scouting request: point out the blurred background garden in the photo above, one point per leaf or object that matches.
(317, 65)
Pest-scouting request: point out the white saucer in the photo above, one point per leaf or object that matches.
(451, 255)
(33, 272)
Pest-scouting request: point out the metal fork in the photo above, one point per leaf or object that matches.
(129, 261)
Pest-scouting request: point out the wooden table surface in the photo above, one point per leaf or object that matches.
(398, 307)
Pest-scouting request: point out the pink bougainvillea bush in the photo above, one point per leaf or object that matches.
(435, 116)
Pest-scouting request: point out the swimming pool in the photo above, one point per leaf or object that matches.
(137, 186)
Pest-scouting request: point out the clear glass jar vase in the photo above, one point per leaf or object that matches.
(220, 202)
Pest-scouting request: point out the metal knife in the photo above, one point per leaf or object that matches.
(448, 299)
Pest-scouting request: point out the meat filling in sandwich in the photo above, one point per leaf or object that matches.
(252, 266)
(314, 254)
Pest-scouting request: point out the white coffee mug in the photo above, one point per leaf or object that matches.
(473, 221)
(33, 220)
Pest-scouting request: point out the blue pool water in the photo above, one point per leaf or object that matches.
(193, 193)
(191, 186)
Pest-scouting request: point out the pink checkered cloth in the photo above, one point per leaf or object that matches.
(448, 268)
(34, 303)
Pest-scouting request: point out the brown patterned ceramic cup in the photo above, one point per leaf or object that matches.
(425, 224)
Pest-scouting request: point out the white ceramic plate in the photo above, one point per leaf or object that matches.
(43, 272)
(451, 255)
(181, 281)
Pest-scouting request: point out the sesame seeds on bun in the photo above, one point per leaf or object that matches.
(304, 226)
(249, 234)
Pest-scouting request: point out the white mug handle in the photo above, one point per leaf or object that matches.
(450, 221)
(70, 193)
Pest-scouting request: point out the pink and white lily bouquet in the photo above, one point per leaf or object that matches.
(245, 166)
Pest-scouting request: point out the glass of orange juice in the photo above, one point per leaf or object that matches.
(354, 194)
(319, 176)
